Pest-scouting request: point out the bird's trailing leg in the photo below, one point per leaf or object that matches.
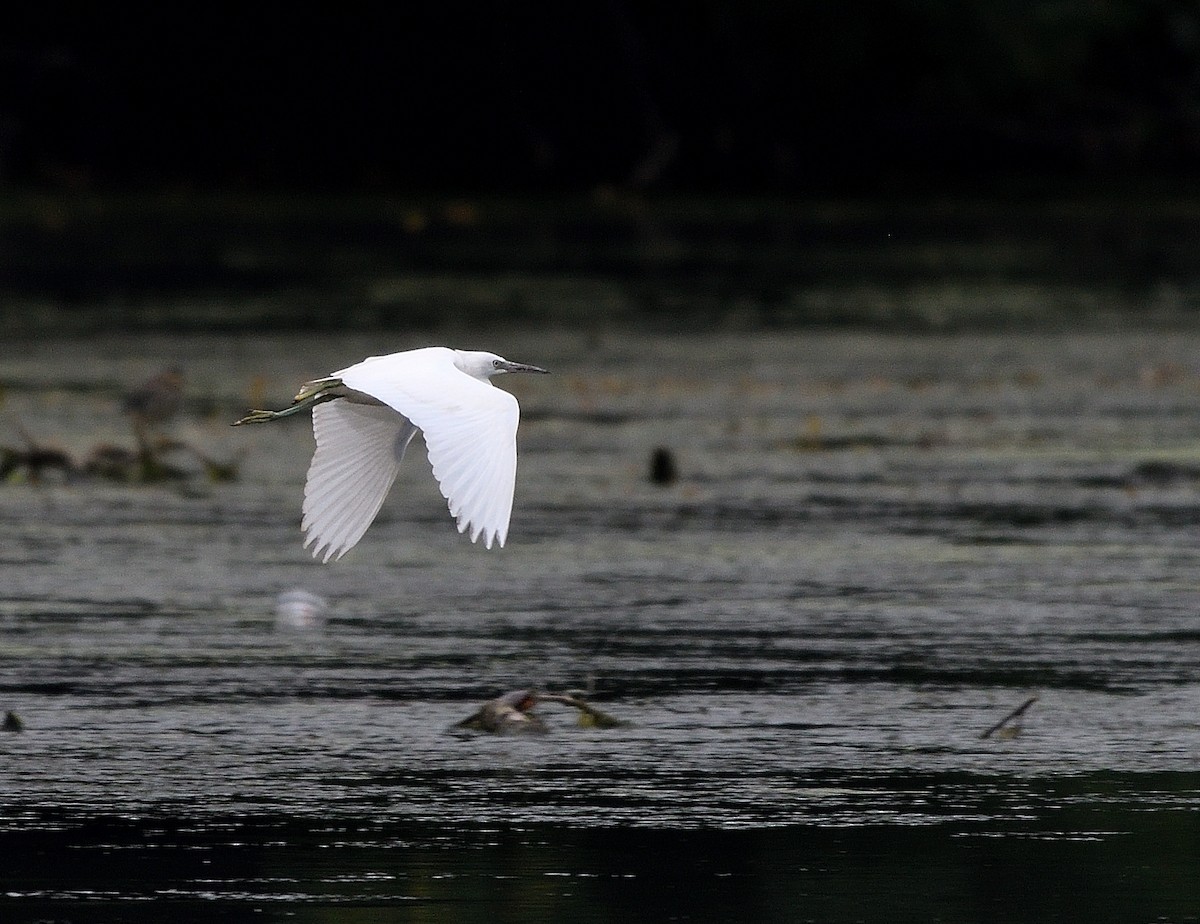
(310, 393)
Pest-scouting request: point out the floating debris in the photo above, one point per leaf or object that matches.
(663, 470)
(30, 463)
(107, 461)
(512, 714)
(506, 715)
(132, 466)
(145, 464)
(214, 469)
(12, 723)
(589, 715)
(1163, 473)
(1006, 728)
(111, 462)
(17, 465)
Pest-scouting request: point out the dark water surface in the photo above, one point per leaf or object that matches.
(877, 546)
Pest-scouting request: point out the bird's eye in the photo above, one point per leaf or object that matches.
(496, 363)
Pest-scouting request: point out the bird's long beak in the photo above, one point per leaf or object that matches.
(522, 367)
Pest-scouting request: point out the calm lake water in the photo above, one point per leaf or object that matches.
(877, 546)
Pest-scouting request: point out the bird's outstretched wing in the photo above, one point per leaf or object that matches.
(470, 430)
(359, 447)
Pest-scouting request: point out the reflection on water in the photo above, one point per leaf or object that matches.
(874, 548)
(335, 872)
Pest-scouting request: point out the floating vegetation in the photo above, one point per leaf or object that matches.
(152, 462)
(155, 457)
(31, 463)
(513, 713)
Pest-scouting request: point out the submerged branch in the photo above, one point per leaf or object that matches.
(1008, 718)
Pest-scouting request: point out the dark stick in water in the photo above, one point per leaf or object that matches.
(1008, 718)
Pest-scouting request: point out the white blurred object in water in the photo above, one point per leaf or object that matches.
(299, 609)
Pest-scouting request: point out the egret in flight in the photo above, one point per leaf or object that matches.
(365, 416)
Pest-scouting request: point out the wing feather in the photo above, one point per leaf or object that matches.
(356, 461)
(470, 430)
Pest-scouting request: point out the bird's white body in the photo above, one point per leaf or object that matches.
(363, 426)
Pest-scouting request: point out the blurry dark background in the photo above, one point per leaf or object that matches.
(610, 114)
(716, 95)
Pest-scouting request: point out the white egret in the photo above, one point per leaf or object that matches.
(363, 419)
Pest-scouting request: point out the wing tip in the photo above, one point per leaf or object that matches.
(490, 534)
(326, 547)
(494, 536)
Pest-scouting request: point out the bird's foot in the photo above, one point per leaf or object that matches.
(257, 417)
(310, 393)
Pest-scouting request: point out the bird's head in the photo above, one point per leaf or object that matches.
(484, 365)
(522, 700)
